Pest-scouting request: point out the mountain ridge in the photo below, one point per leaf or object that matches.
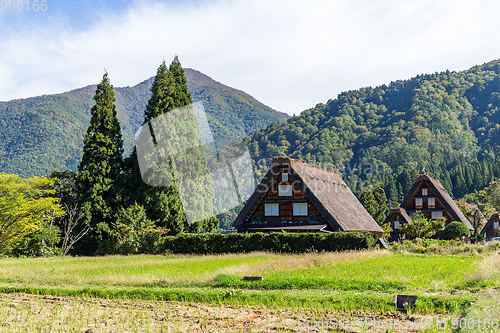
(40, 133)
(438, 122)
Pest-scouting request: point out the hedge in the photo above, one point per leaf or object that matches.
(211, 243)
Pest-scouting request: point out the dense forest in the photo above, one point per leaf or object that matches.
(446, 124)
(46, 132)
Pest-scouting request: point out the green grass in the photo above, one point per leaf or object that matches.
(120, 270)
(365, 280)
(347, 301)
(277, 282)
(396, 272)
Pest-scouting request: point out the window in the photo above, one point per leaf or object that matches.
(424, 191)
(300, 209)
(431, 202)
(272, 209)
(436, 215)
(284, 176)
(495, 225)
(396, 225)
(285, 190)
(418, 202)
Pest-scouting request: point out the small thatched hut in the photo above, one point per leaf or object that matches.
(491, 229)
(428, 196)
(397, 217)
(296, 196)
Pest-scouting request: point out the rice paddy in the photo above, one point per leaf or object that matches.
(306, 284)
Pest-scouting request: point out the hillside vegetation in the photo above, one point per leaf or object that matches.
(46, 132)
(447, 124)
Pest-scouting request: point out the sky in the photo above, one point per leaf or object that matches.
(290, 55)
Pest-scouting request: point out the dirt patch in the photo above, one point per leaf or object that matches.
(21, 312)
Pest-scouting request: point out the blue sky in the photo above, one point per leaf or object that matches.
(290, 55)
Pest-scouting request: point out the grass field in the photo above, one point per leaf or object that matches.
(309, 285)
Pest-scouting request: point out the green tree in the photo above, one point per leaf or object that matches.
(163, 204)
(25, 207)
(65, 186)
(455, 229)
(420, 226)
(368, 201)
(375, 203)
(381, 199)
(100, 168)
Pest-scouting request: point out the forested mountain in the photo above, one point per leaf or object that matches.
(447, 124)
(45, 132)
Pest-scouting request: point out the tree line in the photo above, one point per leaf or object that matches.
(108, 206)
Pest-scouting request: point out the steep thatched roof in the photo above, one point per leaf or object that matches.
(442, 195)
(398, 211)
(325, 189)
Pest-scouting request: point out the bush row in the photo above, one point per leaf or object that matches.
(152, 242)
(436, 246)
(274, 242)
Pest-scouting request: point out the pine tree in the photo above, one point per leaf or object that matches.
(100, 168)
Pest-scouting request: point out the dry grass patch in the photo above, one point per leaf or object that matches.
(28, 313)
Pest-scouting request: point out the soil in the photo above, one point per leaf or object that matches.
(104, 315)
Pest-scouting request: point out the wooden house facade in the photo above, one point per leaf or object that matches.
(429, 197)
(492, 228)
(296, 196)
(397, 218)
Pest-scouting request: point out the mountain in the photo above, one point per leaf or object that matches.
(447, 124)
(39, 134)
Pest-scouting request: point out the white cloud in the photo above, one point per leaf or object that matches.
(289, 55)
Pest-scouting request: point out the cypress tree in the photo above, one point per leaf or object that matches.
(401, 193)
(381, 199)
(368, 201)
(459, 188)
(181, 93)
(163, 204)
(100, 168)
(392, 191)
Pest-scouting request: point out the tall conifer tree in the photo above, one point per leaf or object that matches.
(100, 168)
(163, 204)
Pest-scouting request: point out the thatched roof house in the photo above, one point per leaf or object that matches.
(296, 196)
(490, 229)
(429, 196)
(397, 217)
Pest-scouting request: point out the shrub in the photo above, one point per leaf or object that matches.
(134, 233)
(41, 243)
(455, 229)
(209, 243)
(441, 246)
(420, 226)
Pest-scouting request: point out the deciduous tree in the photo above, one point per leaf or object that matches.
(25, 207)
(420, 226)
